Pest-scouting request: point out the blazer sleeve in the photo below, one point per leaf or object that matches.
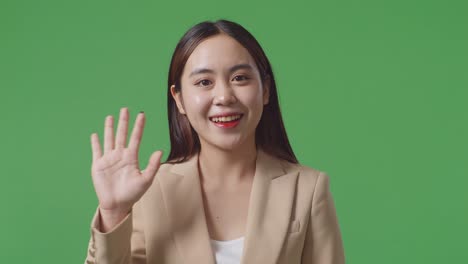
(323, 243)
(124, 244)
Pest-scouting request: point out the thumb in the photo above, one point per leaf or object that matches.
(153, 166)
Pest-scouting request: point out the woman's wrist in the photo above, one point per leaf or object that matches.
(111, 218)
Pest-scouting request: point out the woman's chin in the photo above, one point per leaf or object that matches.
(225, 143)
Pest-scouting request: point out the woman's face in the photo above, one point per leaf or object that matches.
(222, 93)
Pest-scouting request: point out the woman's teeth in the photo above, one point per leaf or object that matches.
(225, 118)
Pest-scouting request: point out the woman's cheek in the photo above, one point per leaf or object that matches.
(198, 100)
(252, 99)
(199, 104)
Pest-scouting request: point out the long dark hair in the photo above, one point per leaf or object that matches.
(270, 134)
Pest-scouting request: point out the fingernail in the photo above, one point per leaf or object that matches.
(142, 112)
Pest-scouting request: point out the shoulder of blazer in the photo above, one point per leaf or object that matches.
(309, 178)
(179, 169)
(304, 170)
(164, 169)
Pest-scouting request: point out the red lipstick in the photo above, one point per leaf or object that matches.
(229, 124)
(226, 120)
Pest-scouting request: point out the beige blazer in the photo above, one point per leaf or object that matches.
(291, 219)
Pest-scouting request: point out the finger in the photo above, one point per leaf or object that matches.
(122, 129)
(137, 132)
(109, 134)
(95, 146)
(153, 166)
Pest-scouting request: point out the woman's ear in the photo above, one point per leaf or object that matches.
(266, 90)
(178, 99)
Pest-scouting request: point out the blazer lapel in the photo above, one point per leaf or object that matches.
(270, 207)
(182, 195)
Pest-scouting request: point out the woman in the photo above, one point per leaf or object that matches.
(231, 190)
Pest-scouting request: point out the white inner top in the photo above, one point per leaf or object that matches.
(229, 251)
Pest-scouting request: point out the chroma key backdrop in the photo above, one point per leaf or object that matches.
(375, 93)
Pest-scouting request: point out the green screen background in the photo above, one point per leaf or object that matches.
(372, 92)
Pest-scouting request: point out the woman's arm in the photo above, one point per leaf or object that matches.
(125, 243)
(323, 243)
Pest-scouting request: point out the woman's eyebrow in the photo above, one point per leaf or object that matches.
(231, 70)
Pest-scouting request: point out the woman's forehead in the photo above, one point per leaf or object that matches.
(218, 53)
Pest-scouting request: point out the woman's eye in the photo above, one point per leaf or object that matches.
(203, 82)
(240, 78)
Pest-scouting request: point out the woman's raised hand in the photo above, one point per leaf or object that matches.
(116, 175)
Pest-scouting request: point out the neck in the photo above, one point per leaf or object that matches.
(227, 168)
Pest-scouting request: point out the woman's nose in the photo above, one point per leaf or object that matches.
(224, 95)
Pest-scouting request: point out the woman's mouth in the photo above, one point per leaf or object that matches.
(226, 121)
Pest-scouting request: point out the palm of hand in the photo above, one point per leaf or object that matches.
(116, 175)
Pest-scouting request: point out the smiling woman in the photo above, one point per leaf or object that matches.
(231, 189)
(212, 55)
(220, 80)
